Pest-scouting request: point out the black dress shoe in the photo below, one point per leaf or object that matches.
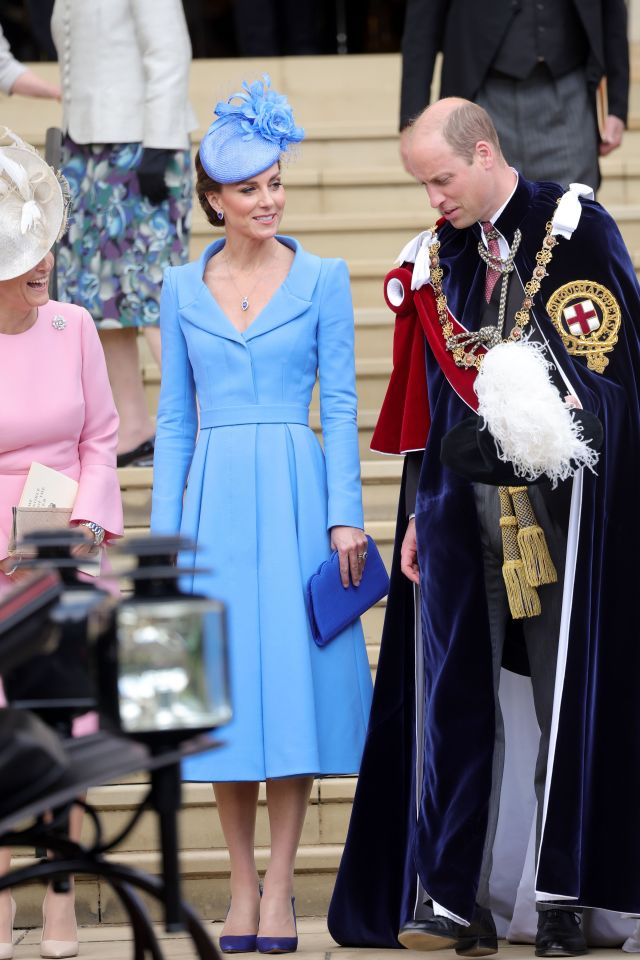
(140, 456)
(479, 939)
(559, 934)
(435, 933)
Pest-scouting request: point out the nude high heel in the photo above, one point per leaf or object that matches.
(6, 946)
(56, 949)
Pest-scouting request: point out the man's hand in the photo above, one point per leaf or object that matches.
(613, 130)
(409, 554)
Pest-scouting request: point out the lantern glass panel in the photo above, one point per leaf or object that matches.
(172, 665)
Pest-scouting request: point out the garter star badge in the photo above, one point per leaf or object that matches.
(587, 317)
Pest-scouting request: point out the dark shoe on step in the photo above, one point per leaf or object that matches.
(479, 939)
(560, 934)
(434, 933)
(140, 456)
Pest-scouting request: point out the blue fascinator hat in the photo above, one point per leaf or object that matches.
(253, 128)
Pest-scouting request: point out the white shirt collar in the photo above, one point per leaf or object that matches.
(502, 243)
(501, 209)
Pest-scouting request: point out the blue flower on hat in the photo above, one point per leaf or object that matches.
(253, 128)
(262, 112)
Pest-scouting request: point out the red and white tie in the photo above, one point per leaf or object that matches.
(494, 249)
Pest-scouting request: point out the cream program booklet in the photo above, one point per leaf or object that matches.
(45, 487)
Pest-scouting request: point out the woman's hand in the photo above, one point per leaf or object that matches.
(351, 544)
(87, 549)
(11, 568)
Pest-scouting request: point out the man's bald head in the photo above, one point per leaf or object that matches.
(454, 152)
(461, 124)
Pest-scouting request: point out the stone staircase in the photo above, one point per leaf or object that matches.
(347, 196)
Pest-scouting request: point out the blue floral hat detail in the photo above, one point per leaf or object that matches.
(253, 128)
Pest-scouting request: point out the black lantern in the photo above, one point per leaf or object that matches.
(166, 677)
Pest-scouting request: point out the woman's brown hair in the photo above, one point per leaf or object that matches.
(204, 185)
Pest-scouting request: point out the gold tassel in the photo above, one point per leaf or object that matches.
(522, 596)
(532, 543)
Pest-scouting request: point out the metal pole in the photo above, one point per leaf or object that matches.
(165, 798)
(53, 156)
(341, 27)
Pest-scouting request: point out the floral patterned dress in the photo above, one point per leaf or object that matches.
(114, 254)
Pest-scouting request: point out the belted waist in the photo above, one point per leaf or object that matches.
(254, 413)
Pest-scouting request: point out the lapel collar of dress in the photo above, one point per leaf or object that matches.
(196, 302)
(293, 297)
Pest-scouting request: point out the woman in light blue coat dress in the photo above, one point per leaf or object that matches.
(245, 330)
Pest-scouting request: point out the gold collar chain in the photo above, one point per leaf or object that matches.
(464, 353)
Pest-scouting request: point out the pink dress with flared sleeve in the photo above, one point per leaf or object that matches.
(56, 408)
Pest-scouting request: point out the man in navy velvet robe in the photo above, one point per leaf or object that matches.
(433, 762)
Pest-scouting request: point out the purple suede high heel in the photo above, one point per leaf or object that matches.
(242, 943)
(279, 944)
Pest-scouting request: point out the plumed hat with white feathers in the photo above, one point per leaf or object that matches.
(33, 206)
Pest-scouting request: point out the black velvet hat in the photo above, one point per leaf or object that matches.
(470, 450)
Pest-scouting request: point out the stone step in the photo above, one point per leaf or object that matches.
(342, 190)
(204, 862)
(367, 278)
(620, 178)
(205, 886)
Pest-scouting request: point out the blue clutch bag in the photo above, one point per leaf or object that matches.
(333, 607)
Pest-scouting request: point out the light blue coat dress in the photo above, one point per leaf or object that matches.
(260, 499)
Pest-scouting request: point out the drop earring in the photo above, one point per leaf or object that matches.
(220, 215)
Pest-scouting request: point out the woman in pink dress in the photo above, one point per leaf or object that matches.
(56, 408)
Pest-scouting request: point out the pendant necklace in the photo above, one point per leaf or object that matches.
(244, 300)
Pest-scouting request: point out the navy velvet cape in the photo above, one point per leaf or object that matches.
(590, 847)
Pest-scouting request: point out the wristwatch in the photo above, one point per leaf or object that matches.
(96, 530)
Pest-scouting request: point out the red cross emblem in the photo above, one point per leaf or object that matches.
(581, 318)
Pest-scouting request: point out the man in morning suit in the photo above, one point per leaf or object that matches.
(512, 271)
(535, 66)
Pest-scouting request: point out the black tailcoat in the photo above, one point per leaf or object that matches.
(469, 33)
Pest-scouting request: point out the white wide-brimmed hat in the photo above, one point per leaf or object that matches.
(32, 206)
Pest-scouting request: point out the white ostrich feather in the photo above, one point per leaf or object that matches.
(17, 174)
(526, 415)
(31, 216)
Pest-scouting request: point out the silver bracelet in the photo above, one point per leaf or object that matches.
(96, 530)
(10, 573)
